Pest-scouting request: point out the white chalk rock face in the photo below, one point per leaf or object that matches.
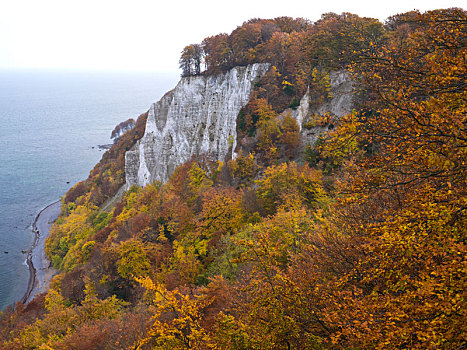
(341, 103)
(198, 117)
(122, 128)
(342, 93)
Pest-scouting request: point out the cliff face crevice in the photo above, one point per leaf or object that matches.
(339, 104)
(197, 117)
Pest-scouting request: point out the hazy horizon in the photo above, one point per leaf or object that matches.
(144, 35)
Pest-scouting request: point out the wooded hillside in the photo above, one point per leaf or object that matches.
(360, 247)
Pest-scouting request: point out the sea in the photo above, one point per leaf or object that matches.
(51, 125)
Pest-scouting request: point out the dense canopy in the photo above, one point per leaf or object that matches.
(354, 242)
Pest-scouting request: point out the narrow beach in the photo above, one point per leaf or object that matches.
(40, 269)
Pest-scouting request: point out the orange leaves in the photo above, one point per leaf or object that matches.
(290, 136)
(243, 167)
(405, 190)
(62, 320)
(222, 211)
(190, 60)
(176, 319)
(277, 136)
(279, 263)
(422, 105)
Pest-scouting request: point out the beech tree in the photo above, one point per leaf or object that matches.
(407, 200)
(218, 53)
(374, 259)
(191, 60)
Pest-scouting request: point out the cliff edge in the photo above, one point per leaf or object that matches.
(197, 117)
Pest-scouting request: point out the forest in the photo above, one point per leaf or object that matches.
(355, 242)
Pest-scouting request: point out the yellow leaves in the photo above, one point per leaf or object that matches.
(93, 308)
(54, 300)
(222, 212)
(289, 181)
(186, 258)
(198, 182)
(86, 249)
(243, 167)
(61, 319)
(176, 319)
(276, 72)
(147, 283)
(409, 255)
(402, 202)
(63, 246)
(280, 236)
(198, 179)
(162, 237)
(287, 87)
(133, 261)
(268, 127)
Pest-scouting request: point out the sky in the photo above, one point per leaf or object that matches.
(148, 35)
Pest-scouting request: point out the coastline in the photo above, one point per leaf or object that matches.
(40, 269)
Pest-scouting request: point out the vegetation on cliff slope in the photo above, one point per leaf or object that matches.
(361, 248)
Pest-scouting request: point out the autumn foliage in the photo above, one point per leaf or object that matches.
(359, 244)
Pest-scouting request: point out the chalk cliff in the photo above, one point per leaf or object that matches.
(339, 104)
(122, 128)
(197, 117)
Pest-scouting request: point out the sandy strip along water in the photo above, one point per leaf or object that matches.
(40, 268)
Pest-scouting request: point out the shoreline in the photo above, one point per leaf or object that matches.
(40, 271)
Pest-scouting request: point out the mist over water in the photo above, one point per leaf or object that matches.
(51, 123)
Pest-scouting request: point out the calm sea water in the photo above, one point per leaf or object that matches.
(50, 125)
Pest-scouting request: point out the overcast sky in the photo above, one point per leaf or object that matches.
(148, 35)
